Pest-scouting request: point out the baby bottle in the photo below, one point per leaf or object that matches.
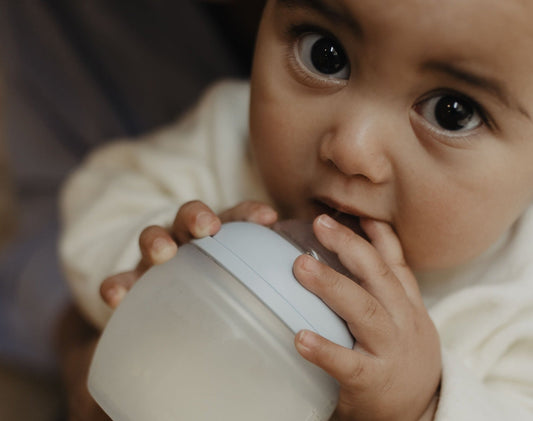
(209, 335)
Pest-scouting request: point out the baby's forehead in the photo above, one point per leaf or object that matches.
(413, 14)
(493, 30)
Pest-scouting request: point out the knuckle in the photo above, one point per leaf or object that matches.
(388, 382)
(382, 270)
(401, 266)
(370, 310)
(355, 374)
(348, 238)
(336, 284)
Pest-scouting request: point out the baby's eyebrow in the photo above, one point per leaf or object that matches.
(334, 14)
(493, 86)
(339, 15)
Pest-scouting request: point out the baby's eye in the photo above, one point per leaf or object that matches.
(450, 112)
(322, 55)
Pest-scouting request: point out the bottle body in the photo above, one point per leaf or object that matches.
(193, 343)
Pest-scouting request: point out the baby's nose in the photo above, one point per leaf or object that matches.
(359, 148)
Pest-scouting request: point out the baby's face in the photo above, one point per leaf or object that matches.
(417, 113)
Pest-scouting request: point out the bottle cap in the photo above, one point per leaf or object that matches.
(262, 260)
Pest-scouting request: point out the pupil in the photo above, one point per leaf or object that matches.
(327, 57)
(453, 113)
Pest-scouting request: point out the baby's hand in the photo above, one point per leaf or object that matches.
(393, 372)
(193, 220)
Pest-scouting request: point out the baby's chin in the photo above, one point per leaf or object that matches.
(431, 258)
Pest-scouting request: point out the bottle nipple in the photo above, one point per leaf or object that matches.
(300, 234)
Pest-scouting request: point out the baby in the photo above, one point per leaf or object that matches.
(410, 120)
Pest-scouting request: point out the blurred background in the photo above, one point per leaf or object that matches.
(25, 393)
(75, 74)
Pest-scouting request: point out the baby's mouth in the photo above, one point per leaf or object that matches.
(350, 221)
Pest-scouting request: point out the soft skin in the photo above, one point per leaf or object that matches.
(393, 372)
(366, 144)
(422, 136)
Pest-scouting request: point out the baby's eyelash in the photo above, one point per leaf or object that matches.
(304, 76)
(293, 35)
(294, 65)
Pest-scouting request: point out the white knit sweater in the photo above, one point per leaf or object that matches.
(483, 310)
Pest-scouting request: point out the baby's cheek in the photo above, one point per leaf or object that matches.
(447, 243)
(429, 244)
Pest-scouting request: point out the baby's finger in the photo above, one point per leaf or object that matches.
(251, 211)
(387, 243)
(157, 246)
(114, 288)
(195, 220)
(350, 368)
(363, 261)
(366, 318)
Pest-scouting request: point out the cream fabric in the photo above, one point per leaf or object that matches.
(483, 310)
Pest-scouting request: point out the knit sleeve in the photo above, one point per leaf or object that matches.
(487, 336)
(131, 184)
(504, 395)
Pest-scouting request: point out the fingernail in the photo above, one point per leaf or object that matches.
(305, 340)
(204, 223)
(267, 214)
(327, 221)
(162, 250)
(115, 295)
(308, 263)
(203, 219)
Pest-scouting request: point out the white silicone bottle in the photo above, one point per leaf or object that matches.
(209, 335)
